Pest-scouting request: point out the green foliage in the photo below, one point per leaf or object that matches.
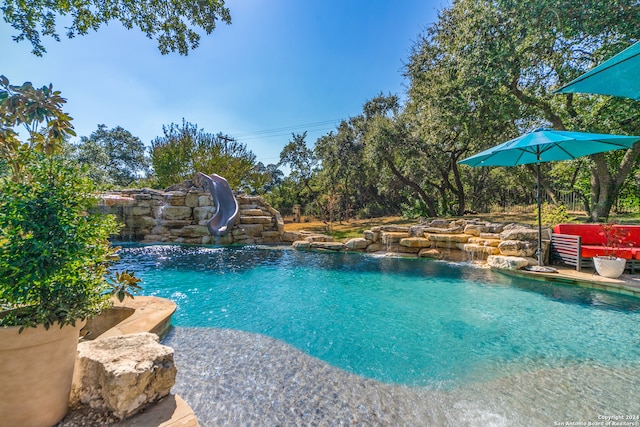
(484, 73)
(112, 156)
(39, 111)
(301, 159)
(124, 284)
(263, 179)
(185, 150)
(174, 23)
(299, 187)
(553, 214)
(283, 196)
(55, 248)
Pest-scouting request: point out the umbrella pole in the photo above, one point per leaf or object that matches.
(539, 219)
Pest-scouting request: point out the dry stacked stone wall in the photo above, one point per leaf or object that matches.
(500, 245)
(180, 215)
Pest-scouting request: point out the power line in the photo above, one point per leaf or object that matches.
(280, 130)
(280, 134)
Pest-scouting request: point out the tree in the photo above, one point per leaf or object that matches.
(507, 52)
(113, 156)
(263, 179)
(303, 164)
(172, 23)
(39, 111)
(185, 150)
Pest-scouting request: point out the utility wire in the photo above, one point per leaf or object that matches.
(280, 134)
(286, 129)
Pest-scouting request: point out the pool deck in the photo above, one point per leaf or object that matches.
(627, 284)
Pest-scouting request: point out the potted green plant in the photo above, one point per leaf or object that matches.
(54, 254)
(610, 265)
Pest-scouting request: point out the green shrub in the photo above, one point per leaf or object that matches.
(54, 247)
(55, 250)
(553, 214)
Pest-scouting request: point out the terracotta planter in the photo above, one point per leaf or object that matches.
(611, 267)
(36, 369)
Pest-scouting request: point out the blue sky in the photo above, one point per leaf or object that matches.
(282, 66)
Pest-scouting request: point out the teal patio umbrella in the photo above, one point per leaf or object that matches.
(618, 76)
(548, 145)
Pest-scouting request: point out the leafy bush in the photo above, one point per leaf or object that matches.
(553, 214)
(55, 249)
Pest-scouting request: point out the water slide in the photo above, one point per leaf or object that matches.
(227, 211)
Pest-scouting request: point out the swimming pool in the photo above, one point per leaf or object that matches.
(398, 321)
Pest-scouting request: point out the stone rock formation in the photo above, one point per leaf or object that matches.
(181, 215)
(122, 374)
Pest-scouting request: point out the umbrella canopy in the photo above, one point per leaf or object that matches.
(618, 76)
(548, 145)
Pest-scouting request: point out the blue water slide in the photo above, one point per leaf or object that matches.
(227, 210)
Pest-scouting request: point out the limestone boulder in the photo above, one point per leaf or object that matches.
(110, 200)
(291, 236)
(141, 222)
(475, 229)
(491, 236)
(331, 246)
(176, 212)
(204, 213)
(417, 230)
(301, 244)
(507, 262)
(205, 200)
(191, 231)
(270, 236)
(141, 210)
(255, 219)
(122, 374)
(390, 229)
(374, 247)
(430, 253)
(279, 223)
(176, 198)
(192, 199)
(518, 248)
(495, 227)
(251, 212)
(448, 238)
(415, 242)
(519, 232)
(407, 249)
(356, 244)
(374, 236)
(250, 200)
(393, 237)
(318, 238)
(440, 223)
(253, 230)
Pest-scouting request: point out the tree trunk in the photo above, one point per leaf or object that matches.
(458, 188)
(431, 206)
(606, 186)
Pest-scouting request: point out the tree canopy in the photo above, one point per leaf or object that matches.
(112, 156)
(173, 24)
(185, 149)
(482, 74)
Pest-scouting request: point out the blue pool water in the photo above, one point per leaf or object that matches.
(407, 321)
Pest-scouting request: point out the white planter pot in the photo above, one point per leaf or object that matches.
(36, 369)
(610, 267)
